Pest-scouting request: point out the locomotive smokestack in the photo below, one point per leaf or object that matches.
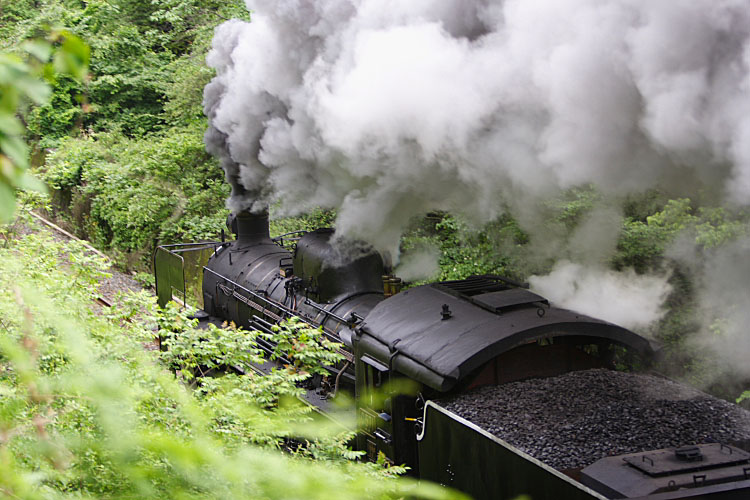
(250, 228)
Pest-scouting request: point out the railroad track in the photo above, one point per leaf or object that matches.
(71, 236)
(102, 301)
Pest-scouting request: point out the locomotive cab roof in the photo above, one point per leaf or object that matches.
(441, 333)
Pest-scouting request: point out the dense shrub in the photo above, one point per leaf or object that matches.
(136, 193)
(86, 412)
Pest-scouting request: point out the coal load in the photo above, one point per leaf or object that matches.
(572, 420)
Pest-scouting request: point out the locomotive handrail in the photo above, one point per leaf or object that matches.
(279, 240)
(325, 311)
(281, 236)
(195, 246)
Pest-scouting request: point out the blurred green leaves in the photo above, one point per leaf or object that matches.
(24, 82)
(87, 412)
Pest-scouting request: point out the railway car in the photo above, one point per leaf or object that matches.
(451, 339)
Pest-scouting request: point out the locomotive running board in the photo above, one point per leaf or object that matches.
(448, 444)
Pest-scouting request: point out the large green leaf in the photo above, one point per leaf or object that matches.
(9, 124)
(15, 149)
(35, 89)
(11, 67)
(30, 182)
(72, 57)
(38, 48)
(7, 203)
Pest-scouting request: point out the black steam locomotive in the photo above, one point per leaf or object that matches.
(449, 338)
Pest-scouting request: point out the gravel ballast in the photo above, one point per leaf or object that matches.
(572, 420)
(108, 286)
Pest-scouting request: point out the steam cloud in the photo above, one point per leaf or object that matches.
(420, 264)
(625, 298)
(387, 109)
(724, 299)
(722, 278)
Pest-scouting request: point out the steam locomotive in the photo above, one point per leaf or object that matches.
(447, 338)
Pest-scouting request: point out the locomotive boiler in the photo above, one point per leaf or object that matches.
(456, 340)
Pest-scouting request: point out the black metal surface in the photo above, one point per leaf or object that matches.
(723, 472)
(687, 459)
(249, 279)
(329, 274)
(251, 229)
(473, 285)
(448, 350)
(456, 453)
(739, 490)
(688, 454)
(505, 299)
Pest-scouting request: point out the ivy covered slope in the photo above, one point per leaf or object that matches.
(87, 412)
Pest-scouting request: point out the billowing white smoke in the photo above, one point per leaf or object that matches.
(721, 276)
(419, 264)
(388, 109)
(624, 298)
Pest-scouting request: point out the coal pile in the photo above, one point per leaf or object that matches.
(572, 420)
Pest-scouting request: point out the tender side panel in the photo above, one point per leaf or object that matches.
(169, 274)
(456, 453)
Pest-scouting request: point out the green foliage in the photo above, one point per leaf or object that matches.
(643, 243)
(306, 347)
(568, 209)
(658, 241)
(146, 280)
(131, 194)
(465, 250)
(124, 178)
(86, 412)
(186, 23)
(127, 91)
(144, 54)
(308, 222)
(715, 226)
(21, 83)
(197, 351)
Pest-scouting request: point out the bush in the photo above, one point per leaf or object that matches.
(135, 194)
(87, 412)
